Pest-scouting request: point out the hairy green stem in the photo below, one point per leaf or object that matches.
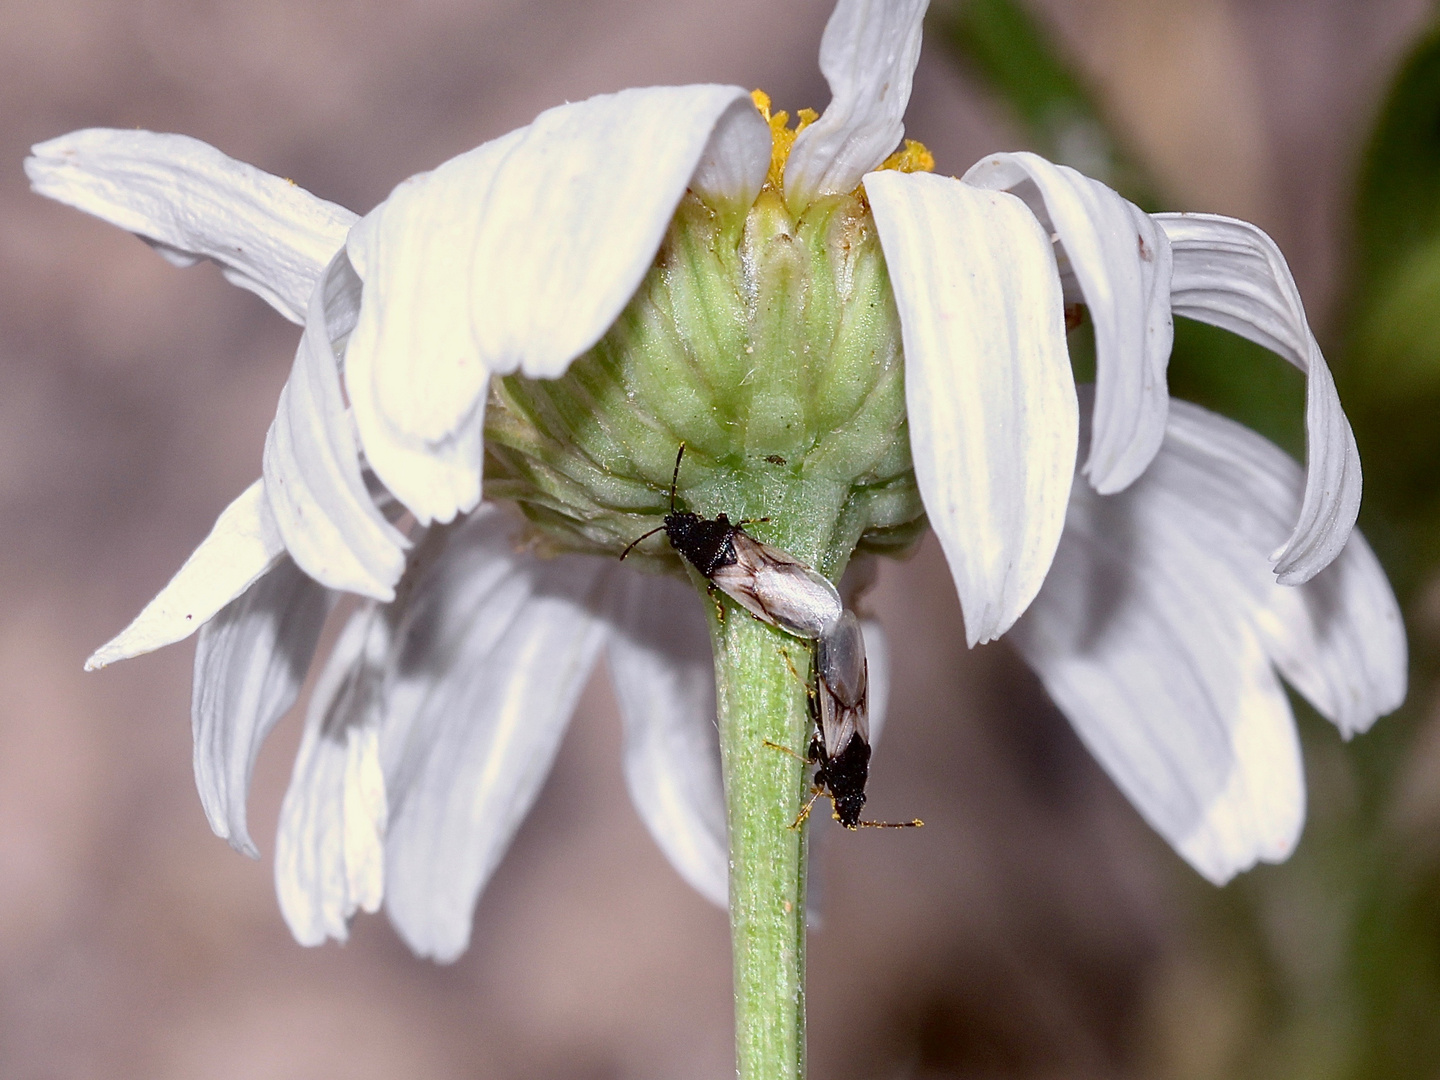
(761, 699)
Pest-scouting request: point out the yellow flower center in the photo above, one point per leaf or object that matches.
(913, 157)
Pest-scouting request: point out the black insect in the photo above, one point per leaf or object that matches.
(771, 584)
(840, 707)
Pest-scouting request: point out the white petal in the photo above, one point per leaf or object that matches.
(312, 466)
(1339, 638)
(191, 201)
(1158, 627)
(242, 545)
(413, 325)
(868, 56)
(249, 663)
(1122, 261)
(498, 645)
(732, 170)
(517, 255)
(988, 387)
(664, 678)
(1147, 647)
(1230, 274)
(329, 851)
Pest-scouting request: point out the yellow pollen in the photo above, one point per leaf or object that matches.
(782, 138)
(913, 157)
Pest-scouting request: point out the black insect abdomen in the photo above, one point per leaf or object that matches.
(844, 775)
(708, 544)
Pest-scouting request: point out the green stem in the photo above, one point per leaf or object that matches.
(761, 699)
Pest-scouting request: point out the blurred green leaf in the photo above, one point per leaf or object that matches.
(1399, 198)
(1396, 342)
(1003, 46)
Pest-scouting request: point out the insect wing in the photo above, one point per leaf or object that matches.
(778, 588)
(842, 684)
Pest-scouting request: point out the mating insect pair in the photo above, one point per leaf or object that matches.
(780, 590)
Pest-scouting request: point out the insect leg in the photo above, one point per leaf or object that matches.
(805, 810)
(917, 823)
(809, 690)
(713, 591)
(787, 750)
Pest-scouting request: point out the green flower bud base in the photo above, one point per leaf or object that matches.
(769, 345)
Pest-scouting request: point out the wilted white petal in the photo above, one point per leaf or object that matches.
(416, 296)
(191, 201)
(1230, 274)
(534, 244)
(497, 645)
(868, 56)
(988, 387)
(1122, 261)
(1159, 628)
(242, 545)
(877, 657)
(312, 465)
(732, 169)
(1339, 639)
(249, 663)
(329, 851)
(1164, 678)
(664, 680)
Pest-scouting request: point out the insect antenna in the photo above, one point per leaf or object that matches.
(674, 482)
(630, 546)
(675, 478)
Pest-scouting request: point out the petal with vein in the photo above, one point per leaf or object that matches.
(1160, 627)
(1165, 680)
(664, 678)
(496, 647)
(417, 291)
(242, 545)
(1230, 274)
(732, 169)
(249, 663)
(988, 388)
(1122, 261)
(313, 482)
(517, 255)
(190, 201)
(868, 56)
(329, 851)
(1339, 639)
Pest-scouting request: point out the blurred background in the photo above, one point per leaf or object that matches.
(1036, 927)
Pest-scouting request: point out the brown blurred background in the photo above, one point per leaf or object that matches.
(1035, 928)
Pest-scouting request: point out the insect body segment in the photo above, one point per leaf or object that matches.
(771, 584)
(840, 748)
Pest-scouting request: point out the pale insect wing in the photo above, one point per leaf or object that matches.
(838, 722)
(843, 683)
(778, 588)
(738, 583)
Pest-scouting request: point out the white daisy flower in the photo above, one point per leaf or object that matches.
(541, 321)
